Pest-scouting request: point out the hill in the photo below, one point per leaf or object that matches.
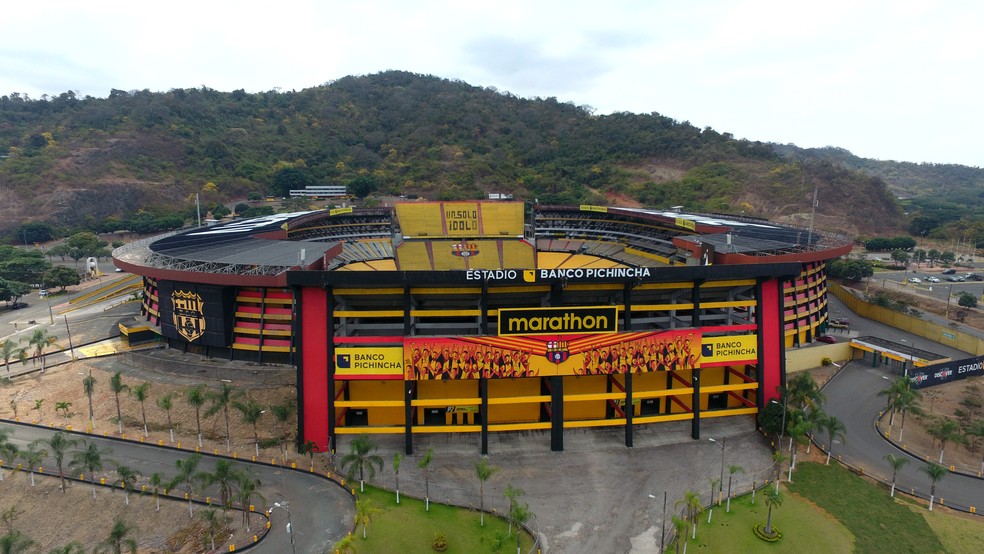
(81, 162)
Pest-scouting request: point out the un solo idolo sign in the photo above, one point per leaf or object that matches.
(938, 374)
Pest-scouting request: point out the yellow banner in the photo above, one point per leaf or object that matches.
(589, 208)
(337, 211)
(367, 363)
(685, 223)
(742, 348)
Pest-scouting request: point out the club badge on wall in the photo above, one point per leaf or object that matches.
(188, 314)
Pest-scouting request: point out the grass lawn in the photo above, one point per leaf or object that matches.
(878, 523)
(804, 528)
(406, 527)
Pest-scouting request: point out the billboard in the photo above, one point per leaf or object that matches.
(198, 313)
(937, 374)
(721, 350)
(558, 355)
(369, 363)
(553, 321)
(460, 219)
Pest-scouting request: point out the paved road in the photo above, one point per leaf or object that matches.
(321, 511)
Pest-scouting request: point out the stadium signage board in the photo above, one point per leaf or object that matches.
(369, 363)
(568, 274)
(558, 321)
(937, 374)
(742, 348)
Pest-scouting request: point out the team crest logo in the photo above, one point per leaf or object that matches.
(464, 249)
(557, 351)
(188, 314)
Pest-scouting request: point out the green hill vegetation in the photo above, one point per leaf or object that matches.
(94, 163)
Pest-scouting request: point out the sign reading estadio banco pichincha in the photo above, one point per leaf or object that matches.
(558, 321)
(937, 374)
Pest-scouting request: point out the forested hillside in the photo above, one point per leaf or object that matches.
(77, 163)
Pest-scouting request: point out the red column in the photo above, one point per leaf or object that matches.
(313, 389)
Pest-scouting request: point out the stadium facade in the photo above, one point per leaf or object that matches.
(488, 317)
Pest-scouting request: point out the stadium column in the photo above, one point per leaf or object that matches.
(695, 374)
(298, 360)
(483, 381)
(315, 387)
(771, 345)
(556, 413)
(627, 327)
(408, 385)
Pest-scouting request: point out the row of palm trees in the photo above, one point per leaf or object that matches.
(38, 341)
(119, 539)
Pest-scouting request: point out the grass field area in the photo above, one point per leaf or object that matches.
(406, 527)
(804, 527)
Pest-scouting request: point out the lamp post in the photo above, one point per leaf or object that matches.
(290, 527)
(722, 443)
(662, 522)
(782, 428)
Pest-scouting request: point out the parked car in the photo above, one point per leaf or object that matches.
(827, 339)
(42, 293)
(950, 271)
(932, 279)
(915, 280)
(18, 305)
(954, 278)
(974, 277)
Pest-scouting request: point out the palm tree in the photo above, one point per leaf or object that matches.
(804, 392)
(33, 457)
(63, 407)
(891, 394)
(89, 459)
(310, 448)
(224, 476)
(156, 483)
(798, 434)
(691, 503)
(423, 464)
(679, 533)
(732, 469)
(365, 513)
(772, 499)
(252, 411)
(484, 472)
(59, 443)
(214, 521)
(361, 459)
(345, 544)
(8, 350)
(7, 448)
(89, 386)
(777, 459)
(249, 485)
(976, 429)
(73, 547)
(117, 386)
(141, 393)
(126, 478)
(281, 414)
(397, 459)
(945, 430)
(166, 403)
(835, 429)
(935, 473)
(186, 475)
(896, 462)
(15, 542)
(513, 494)
(119, 539)
(520, 513)
(907, 401)
(39, 406)
(196, 399)
(40, 340)
(220, 401)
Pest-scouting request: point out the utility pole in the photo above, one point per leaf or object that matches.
(813, 213)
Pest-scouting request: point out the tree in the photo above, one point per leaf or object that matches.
(252, 411)
(896, 462)
(89, 459)
(777, 459)
(73, 547)
(835, 429)
(947, 257)
(901, 257)
(512, 494)
(119, 538)
(520, 514)
(891, 394)
(220, 401)
(15, 542)
(9, 349)
(7, 449)
(397, 459)
(62, 277)
(484, 472)
(59, 443)
(196, 399)
(361, 459)
(249, 486)
(156, 482)
(39, 406)
(141, 393)
(186, 476)
(282, 414)
(692, 506)
(89, 386)
(224, 476)
(365, 513)
(166, 403)
(424, 464)
(772, 500)
(976, 429)
(933, 255)
(679, 534)
(84, 245)
(117, 386)
(732, 469)
(967, 300)
(40, 340)
(935, 473)
(945, 430)
(33, 457)
(63, 407)
(213, 521)
(310, 448)
(906, 402)
(126, 478)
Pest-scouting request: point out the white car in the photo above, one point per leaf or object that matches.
(933, 279)
(915, 280)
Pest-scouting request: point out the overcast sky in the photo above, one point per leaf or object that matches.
(892, 80)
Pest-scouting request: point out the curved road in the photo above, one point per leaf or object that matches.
(320, 510)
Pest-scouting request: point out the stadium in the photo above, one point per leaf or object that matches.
(489, 317)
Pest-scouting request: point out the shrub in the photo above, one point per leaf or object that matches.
(826, 361)
(759, 531)
(440, 542)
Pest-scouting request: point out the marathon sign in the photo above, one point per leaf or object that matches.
(937, 374)
(558, 321)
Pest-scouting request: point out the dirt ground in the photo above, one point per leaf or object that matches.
(40, 509)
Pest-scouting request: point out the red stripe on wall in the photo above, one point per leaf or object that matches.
(315, 387)
(772, 341)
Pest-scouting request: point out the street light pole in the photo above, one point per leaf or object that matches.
(662, 523)
(290, 527)
(782, 428)
(721, 481)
